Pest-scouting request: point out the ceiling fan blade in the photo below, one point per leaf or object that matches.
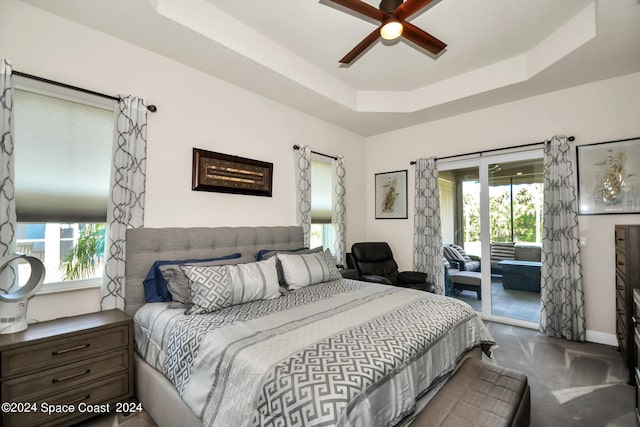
(362, 8)
(410, 7)
(361, 47)
(422, 38)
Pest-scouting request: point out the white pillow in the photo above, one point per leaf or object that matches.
(213, 288)
(304, 270)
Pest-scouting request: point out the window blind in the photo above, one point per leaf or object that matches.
(321, 195)
(62, 159)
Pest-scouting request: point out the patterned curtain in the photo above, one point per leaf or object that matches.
(427, 234)
(7, 196)
(304, 191)
(339, 209)
(561, 296)
(126, 202)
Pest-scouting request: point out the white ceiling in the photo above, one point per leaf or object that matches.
(288, 50)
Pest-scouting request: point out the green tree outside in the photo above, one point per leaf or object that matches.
(87, 255)
(527, 215)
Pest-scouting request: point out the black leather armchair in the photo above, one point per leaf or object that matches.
(374, 262)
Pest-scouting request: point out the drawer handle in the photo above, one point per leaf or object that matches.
(67, 350)
(73, 402)
(620, 263)
(68, 377)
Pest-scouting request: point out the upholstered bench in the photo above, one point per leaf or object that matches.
(479, 394)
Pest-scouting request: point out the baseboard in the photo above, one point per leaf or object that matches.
(602, 338)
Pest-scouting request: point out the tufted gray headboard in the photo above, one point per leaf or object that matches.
(146, 245)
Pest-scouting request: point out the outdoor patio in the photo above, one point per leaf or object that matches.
(520, 305)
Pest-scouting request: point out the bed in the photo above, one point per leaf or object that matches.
(338, 352)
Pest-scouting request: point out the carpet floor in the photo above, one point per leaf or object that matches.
(572, 384)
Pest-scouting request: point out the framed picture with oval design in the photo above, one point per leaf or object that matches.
(391, 195)
(609, 177)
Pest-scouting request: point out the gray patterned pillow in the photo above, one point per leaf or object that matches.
(502, 250)
(334, 273)
(178, 283)
(461, 251)
(216, 287)
(304, 270)
(451, 253)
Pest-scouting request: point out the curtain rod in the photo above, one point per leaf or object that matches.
(297, 147)
(571, 138)
(151, 108)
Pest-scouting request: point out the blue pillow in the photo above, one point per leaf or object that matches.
(261, 253)
(155, 285)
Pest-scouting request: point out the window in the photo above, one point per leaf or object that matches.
(516, 192)
(63, 143)
(322, 232)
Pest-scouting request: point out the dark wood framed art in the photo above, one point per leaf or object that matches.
(224, 173)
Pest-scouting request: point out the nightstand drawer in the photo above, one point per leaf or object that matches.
(54, 381)
(33, 358)
(99, 392)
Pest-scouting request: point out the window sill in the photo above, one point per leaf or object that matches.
(69, 286)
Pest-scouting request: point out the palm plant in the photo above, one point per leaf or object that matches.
(87, 255)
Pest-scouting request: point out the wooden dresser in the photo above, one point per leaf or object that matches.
(636, 338)
(66, 370)
(627, 278)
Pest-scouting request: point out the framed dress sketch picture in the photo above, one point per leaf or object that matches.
(391, 195)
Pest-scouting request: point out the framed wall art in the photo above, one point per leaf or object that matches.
(225, 173)
(391, 195)
(609, 177)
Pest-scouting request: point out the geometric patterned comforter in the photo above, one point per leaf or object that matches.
(342, 353)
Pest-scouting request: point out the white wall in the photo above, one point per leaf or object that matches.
(194, 110)
(602, 111)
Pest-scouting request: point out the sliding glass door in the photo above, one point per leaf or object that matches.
(491, 211)
(515, 217)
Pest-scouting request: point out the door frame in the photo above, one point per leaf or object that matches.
(482, 163)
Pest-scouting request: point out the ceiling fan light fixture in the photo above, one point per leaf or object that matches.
(391, 29)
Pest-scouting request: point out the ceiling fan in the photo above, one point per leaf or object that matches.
(392, 15)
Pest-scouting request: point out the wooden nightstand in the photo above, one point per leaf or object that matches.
(66, 370)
